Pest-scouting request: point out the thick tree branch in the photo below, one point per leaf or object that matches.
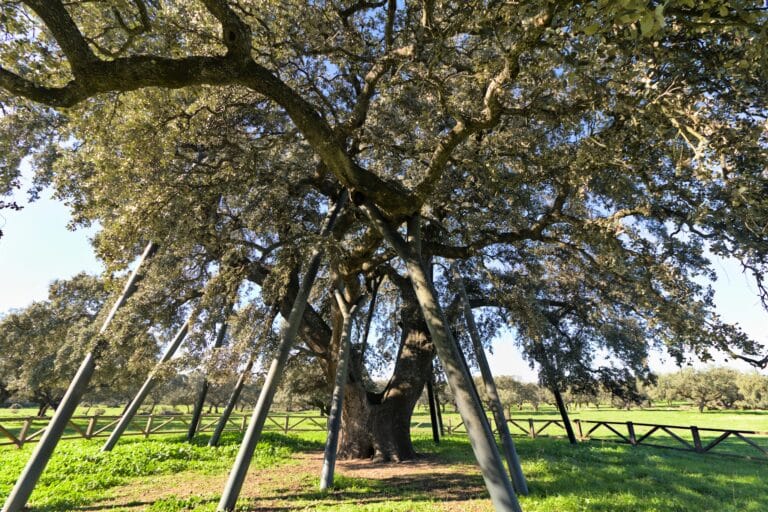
(67, 35)
(313, 329)
(360, 111)
(360, 5)
(94, 76)
(132, 73)
(236, 34)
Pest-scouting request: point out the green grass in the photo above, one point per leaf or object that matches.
(79, 473)
(587, 477)
(609, 477)
(594, 476)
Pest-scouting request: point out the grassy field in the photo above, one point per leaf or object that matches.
(682, 416)
(167, 474)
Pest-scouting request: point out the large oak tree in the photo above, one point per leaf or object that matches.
(578, 160)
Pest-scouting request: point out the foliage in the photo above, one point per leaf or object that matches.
(713, 387)
(753, 388)
(304, 386)
(42, 345)
(513, 392)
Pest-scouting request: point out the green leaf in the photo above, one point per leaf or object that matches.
(592, 29)
(647, 25)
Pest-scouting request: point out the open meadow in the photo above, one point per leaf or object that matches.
(164, 473)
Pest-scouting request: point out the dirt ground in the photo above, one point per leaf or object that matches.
(452, 488)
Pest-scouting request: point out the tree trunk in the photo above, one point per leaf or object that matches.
(378, 425)
(433, 409)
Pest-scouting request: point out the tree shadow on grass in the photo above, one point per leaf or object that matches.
(369, 492)
(616, 478)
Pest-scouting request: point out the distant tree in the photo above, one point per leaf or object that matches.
(664, 390)
(179, 391)
(582, 398)
(753, 388)
(42, 344)
(5, 392)
(708, 388)
(509, 391)
(515, 393)
(304, 385)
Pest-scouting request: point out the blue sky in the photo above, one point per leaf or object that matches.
(37, 248)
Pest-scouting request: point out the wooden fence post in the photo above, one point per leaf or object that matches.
(91, 427)
(579, 430)
(631, 433)
(242, 424)
(24, 429)
(148, 427)
(696, 440)
(531, 428)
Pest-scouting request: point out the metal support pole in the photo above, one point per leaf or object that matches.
(235, 396)
(563, 414)
(513, 461)
(432, 406)
(439, 412)
(253, 433)
(197, 411)
(36, 464)
(133, 407)
(334, 417)
(480, 436)
(200, 403)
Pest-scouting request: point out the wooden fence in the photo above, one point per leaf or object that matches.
(749, 444)
(739, 443)
(22, 430)
(742, 443)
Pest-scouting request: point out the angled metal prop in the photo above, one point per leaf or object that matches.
(19, 496)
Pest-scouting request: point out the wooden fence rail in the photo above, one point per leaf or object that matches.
(747, 443)
(702, 440)
(22, 430)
